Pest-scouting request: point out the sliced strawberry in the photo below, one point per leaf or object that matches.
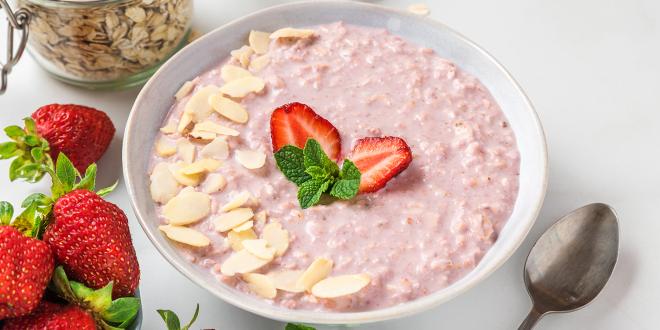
(294, 123)
(379, 159)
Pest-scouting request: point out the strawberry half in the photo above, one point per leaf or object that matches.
(379, 159)
(294, 123)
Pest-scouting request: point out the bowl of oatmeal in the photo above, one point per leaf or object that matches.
(334, 162)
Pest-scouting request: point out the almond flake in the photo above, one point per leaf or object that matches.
(234, 218)
(338, 286)
(419, 9)
(261, 217)
(163, 185)
(259, 41)
(198, 105)
(237, 201)
(214, 182)
(209, 126)
(251, 159)
(260, 248)
(231, 72)
(217, 149)
(243, 86)
(242, 262)
(261, 285)
(276, 237)
(168, 129)
(202, 135)
(242, 55)
(286, 280)
(185, 123)
(232, 110)
(245, 226)
(185, 235)
(288, 32)
(187, 207)
(165, 147)
(185, 89)
(236, 238)
(318, 270)
(259, 63)
(201, 166)
(186, 151)
(184, 179)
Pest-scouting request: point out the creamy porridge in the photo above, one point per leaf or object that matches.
(232, 211)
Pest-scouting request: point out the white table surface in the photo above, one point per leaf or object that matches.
(591, 68)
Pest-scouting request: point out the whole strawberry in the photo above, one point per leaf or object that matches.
(51, 316)
(91, 239)
(26, 265)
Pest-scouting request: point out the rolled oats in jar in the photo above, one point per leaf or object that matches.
(106, 43)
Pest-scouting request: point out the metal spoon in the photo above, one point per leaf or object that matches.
(571, 262)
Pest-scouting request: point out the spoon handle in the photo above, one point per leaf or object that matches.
(531, 319)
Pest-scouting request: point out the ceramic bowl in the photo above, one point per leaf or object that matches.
(155, 100)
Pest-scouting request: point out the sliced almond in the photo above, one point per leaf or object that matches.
(242, 55)
(245, 226)
(185, 235)
(163, 185)
(168, 129)
(243, 86)
(318, 270)
(242, 262)
(286, 280)
(288, 32)
(231, 219)
(186, 151)
(184, 179)
(259, 63)
(419, 9)
(217, 149)
(231, 110)
(251, 159)
(185, 89)
(198, 104)
(187, 207)
(260, 248)
(204, 165)
(214, 182)
(203, 135)
(261, 217)
(231, 72)
(259, 41)
(185, 123)
(209, 126)
(165, 147)
(261, 285)
(333, 287)
(236, 238)
(276, 237)
(237, 201)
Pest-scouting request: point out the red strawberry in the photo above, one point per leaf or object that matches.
(26, 265)
(91, 239)
(294, 123)
(51, 316)
(379, 159)
(82, 133)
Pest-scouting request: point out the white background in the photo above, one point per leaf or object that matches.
(591, 68)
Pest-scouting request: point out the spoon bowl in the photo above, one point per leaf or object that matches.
(571, 262)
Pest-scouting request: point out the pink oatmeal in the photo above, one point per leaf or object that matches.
(429, 226)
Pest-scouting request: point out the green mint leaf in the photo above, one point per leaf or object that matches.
(15, 133)
(6, 212)
(88, 182)
(30, 125)
(310, 192)
(298, 326)
(315, 156)
(349, 171)
(170, 318)
(290, 161)
(349, 181)
(80, 290)
(121, 310)
(316, 172)
(9, 150)
(104, 191)
(194, 318)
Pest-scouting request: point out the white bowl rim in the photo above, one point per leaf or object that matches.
(397, 311)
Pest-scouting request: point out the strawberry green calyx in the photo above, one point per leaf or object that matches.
(29, 151)
(66, 178)
(109, 314)
(172, 320)
(32, 220)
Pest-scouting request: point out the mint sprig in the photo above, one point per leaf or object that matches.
(316, 174)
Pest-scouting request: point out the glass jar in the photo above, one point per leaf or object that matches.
(105, 43)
